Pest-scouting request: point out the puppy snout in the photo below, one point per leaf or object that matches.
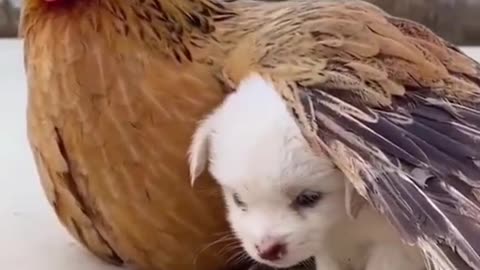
(271, 250)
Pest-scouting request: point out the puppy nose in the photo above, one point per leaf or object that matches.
(272, 252)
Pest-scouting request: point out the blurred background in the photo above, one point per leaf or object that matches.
(455, 20)
(9, 14)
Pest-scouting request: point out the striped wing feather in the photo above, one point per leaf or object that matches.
(416, 161)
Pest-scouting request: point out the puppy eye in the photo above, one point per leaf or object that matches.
(307, 198)
(238, 201)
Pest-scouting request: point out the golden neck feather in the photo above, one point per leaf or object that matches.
(159, 24)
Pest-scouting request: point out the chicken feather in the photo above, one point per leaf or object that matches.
(386, 98)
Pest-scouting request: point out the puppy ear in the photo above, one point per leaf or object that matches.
(354, 202)
(198, 152)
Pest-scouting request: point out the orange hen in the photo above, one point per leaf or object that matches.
(116, 88)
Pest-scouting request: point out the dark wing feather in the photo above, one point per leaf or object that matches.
(422, 132)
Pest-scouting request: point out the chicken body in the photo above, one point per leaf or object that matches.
(116, 88)
(110, 112)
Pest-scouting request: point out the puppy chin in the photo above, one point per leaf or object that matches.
(280, 264)
(286, 262)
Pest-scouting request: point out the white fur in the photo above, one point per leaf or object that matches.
(256, 150)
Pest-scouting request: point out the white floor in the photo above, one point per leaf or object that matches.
(30, 236)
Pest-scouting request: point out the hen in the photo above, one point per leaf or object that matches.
(116, 88)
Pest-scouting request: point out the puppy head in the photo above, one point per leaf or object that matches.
(282, 198)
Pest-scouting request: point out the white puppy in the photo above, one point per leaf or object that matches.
(285, 203)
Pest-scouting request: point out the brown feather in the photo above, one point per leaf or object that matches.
(111, 110)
